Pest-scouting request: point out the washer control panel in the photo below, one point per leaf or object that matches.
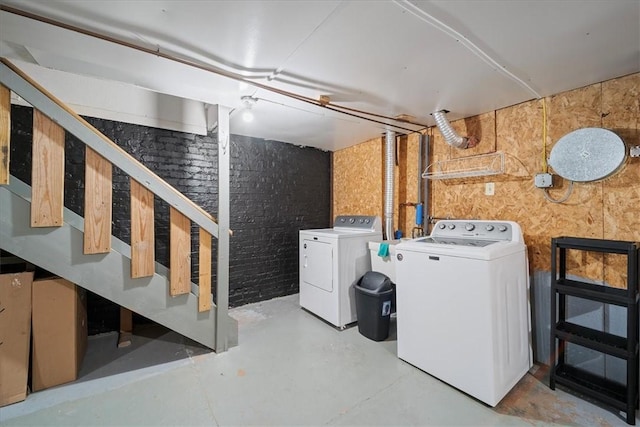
(360, 222)
(490, 230)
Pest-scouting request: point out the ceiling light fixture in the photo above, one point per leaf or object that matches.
(247, 114)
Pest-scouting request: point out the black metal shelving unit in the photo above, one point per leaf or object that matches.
(620, 396)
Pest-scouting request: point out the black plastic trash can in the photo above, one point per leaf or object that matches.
(374, 293)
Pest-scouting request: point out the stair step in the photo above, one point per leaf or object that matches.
(56, 250)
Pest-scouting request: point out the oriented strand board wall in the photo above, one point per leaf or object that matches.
(407, 178)
(621, 192)
(358, 181)
(608, 209)
(358, 173)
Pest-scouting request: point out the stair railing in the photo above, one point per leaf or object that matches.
(51, 118)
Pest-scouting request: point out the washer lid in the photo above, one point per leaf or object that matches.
(457, 241)
(587, 154)
(492, 251)
(342, 233)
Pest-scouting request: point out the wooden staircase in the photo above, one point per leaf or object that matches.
(35, 226)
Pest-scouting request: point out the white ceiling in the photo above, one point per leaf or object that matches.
(384, 57)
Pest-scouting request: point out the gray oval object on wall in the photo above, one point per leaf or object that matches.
(587, 154)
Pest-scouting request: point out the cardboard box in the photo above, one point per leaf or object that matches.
(59, 336)
(15, 329)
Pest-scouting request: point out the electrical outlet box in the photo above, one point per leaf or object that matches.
(544, 180)
(489, 189)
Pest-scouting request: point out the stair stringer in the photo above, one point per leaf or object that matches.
(59, 250)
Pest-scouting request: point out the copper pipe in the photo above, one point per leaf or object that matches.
(334, 107)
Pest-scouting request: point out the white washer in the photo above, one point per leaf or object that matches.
(331, 260)
(463, 307)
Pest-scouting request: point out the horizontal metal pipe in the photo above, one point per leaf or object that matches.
(156, 52)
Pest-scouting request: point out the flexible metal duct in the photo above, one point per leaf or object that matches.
(450, 136)
(390, 161)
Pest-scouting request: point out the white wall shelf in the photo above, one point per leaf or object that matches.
(466, 167)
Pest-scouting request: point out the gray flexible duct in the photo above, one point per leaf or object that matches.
(450, 136)
(390, 150)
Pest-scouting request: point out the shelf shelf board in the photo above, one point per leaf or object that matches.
(467, 167)
(600, 293)
(605, 390)
(620, 396)
(595, 245)
(594, 339)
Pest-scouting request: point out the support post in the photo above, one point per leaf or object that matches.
(221, 114)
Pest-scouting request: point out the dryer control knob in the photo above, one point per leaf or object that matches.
(489, 227)
(502, 228)
(351, 220)
(367, 220)
(469, 227)
(452, 226)
(442, 226)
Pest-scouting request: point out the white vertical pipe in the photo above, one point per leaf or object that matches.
(390, 151)
(425, 210)
(222, 284)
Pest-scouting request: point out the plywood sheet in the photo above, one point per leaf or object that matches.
(97, 203)
(47, 174)
(482, 127)
(204, 274)
(622, 190)
(569, 111)
(180, 253)
(620, 100)
(142, 231)
(573, 110)
(606, 209)
(357, 178)
(5, 133)
(519, 136)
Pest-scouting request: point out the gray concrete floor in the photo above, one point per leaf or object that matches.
(290, 368)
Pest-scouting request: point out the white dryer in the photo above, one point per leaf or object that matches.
(463, 307)
(331, 260)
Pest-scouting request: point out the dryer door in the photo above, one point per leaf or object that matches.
(317, 264)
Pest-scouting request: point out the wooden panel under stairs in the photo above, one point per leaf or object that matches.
(47, 172)
(180, 253)
(5, 133)
(97, 203)
(204, 273)
(142, 233)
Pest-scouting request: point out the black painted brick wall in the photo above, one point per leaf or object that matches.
(276, 190)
